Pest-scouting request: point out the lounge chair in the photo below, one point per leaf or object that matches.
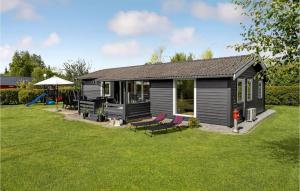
(160, 117)
(174, 123)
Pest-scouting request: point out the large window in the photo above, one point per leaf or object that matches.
(249, 89)
(184, 91)
(240, 90)
(138, 91)
(260, 89)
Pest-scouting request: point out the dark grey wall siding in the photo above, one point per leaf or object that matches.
(161, 97)
(214, 101)
(255, 103)
(91, 91)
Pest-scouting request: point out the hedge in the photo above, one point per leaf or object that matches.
(22, 96)
(282, 95)
(9, 96)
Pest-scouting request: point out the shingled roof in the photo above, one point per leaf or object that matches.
(205, 68)
(13, 80)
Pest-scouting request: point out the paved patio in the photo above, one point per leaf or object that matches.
(72, 115)
(244, 127)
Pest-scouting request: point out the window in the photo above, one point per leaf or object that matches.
(240, 90)
(146, 88)
(106, 88)
(184, 97)
(249, 89)
(260, 89)
(138, 91)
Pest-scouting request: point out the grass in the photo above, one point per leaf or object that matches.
(42, 151)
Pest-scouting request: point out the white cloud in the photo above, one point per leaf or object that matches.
(52, 39)
(139, 22)
(229, 12)
(173, 5)
(24, 10)
(121, 49)
(25, 42)
(226, 12)
(6, 52)
(183, 36)
(7, 5)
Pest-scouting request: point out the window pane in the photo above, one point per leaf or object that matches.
(249, 90)
(138, 91)
(260, 89)
(240, 91)
(185, 97)
(107, 88)
(146, 91)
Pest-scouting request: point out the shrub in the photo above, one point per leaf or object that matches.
(282, 95)
(193, 122)
(26, 96)
(9, 96)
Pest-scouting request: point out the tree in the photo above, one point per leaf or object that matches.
(178, 57)
(157, 56)
(181, 56)
(23, 63)
(272, 34)
(207, 54)
(74, 69)
(38, 73)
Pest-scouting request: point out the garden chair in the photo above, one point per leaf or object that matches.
(174, 123)
(160, 117)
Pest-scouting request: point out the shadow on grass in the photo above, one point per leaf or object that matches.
(285, 150)
(164, 131)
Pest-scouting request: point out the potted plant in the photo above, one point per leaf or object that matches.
(85, 113)
(101, 114)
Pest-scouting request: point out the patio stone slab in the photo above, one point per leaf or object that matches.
(244, 127)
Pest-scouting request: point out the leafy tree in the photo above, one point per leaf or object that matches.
(207, 54)
(181, 56)
(23, 63)
(273, 35)
(157, 56)
(74, 69)
(178, 57)
(190, 57)
(38, 73)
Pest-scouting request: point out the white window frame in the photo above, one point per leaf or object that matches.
(251, 88)
(260, 89)
(243, 90)
(175, 97)
(107, 95)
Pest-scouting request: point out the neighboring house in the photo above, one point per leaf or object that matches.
(10, 82)
(207, 89)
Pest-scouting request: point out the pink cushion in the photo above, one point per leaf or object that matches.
(177, 120)
(161, 117)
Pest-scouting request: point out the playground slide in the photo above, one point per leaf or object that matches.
(36, 99)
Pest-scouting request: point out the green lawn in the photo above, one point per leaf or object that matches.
(42, 151)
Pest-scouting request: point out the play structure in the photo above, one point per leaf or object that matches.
(53, 82)
(36, 99)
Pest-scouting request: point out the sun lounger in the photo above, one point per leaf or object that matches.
(174, 123)
(160, 117)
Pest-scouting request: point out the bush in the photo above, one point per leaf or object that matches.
(26, 96)
(193, 122)
(282, 95)
(9, 96)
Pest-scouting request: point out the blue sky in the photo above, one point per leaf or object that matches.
(117, 32)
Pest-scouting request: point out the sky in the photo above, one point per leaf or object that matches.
(116, 33)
